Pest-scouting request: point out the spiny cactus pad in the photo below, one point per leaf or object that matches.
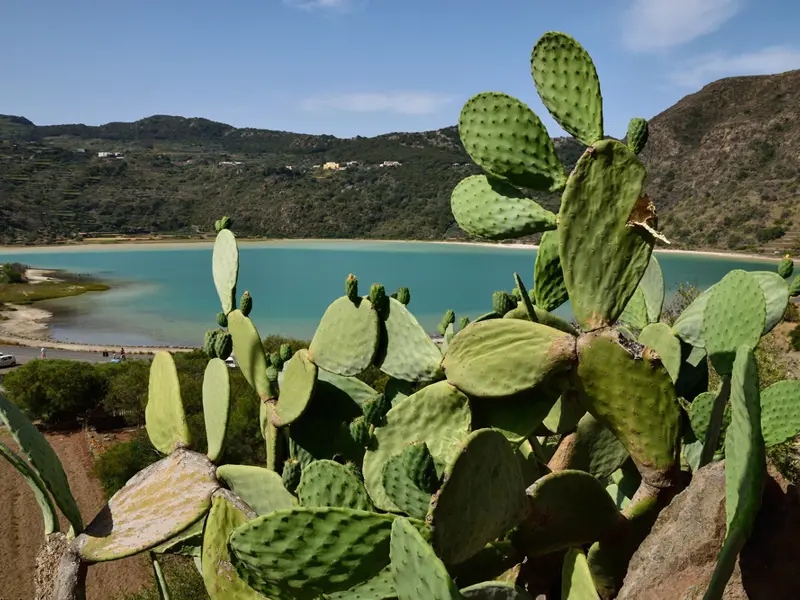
(401, 488)
(549, 288)
(659, 338)
(297, 388)
(780, 412)
(438, 414)
(689, 325)
(635, 313)
(225, 268)
(250, 354)
(602, 255)
(407, 352)
(786, 267)
(637, 134)
(328, 483)
(502, 357)
(735, 315)
(380, 587)
(157, 503)
(506, 138)
(578, 107)
(558, 516)
(565, 413)
(165, 418)
(491, 208)
(700, 414)
(216, 405)
(635, 398)
(347, 337)
(597, 450)
(576, 579)
(482, 497)
(494, 590)
(39, 489)
(418, 573)
(776, 295)
(652, 286)
(261, 488)
(42, 458)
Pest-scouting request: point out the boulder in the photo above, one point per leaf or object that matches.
(677, 559)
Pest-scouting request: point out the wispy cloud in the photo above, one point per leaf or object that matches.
(710, 67)
(406, 103)
(329, 5)
(652, 25)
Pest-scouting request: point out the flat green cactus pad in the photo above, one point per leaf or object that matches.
(380, 587)
(157, 503)
(502, 357)
(689, 325)
(635, 313)
(482, 497)
(516, 418)
(735, 315)
(38, 488)
(402, 490)
(558, 517)
(350, 388)
(652, 286)
(396, 390)
(261, 488)
(328, 483)
(42, 458)
(565, 413)
(576, 578)
(780, 412)
(346, 339)
(418, 573)
(250, 355)
(216, 406)
(506, 138)
(659, 338)
(567, 83)
(164, 416)
(494, 590)
(407, 352)
(219, 575)
(603, 254)
(297, 388)
(623, 485)
(700, 415)
(635, 398)
(225, 268)
(306, 552)
(438, 415)
(776, 295)
(543, 317)
(549, 288)
(491, 208)
(597, 449)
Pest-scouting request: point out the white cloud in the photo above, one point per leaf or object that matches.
(710, 67)
(651, 25)
(407, 103)
(331, 5)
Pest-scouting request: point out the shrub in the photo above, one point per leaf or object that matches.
(794, 338)
(123, 460)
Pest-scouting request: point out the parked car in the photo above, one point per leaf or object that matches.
(231, 362)
(7, 360)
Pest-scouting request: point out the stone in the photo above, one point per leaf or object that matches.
(677, 559)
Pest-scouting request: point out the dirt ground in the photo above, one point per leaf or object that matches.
(21, 530)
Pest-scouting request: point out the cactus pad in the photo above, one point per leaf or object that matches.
(164, 415)
(506, 138)
(635, 313)
(261, 488)
(438, 414)
(786, 267)
(577, 107)
(597, 449)
(549, 288)
(652, 286)
(328, 483)
(418, 573)
(297, 388)
(502, 357)
(576, 579)
(776, 295)
(635, 398)
(542, 317)
(565, 413)
(186, 543)
(516, 418)
(794, 287)
(700, 415)
(141, 515)
(780, 412)
(225, 268)
(494, 590)
(603, 254)
(659, 338)
(689, 325)
(482, 497)
(349, 388)
(250, 354)
(637, 134)
(491, 208)
(216, 406)
(407, 352)
(401, 488)
(39, 489)
(347, 337)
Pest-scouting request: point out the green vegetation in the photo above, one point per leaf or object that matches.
(794, 336)
(16, 289)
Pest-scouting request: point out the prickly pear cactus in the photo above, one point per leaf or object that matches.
(637, 134)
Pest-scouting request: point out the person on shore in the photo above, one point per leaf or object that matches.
(122, 353)
(43, 353)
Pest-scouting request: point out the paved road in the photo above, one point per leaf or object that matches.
(23, 354)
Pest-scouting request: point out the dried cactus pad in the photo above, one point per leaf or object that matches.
(776, 295)
(659, 338)
(576, 579)
(418, 573)
(297, 388)
(38, 488)
(225, 268)
(482, 497)
(216, 405)
(164, 416)
(43, 460)
(250, 353)
(157, 503)
(549, 288)
(567, 83)
(493, 209)
(261, 488)
(780, 412)
(602, 254)
(494, 590)
(502, 357)
(407, 352)
(347, 337)
(635, 398)
(506, 138)
(328, 483)
(438, 415)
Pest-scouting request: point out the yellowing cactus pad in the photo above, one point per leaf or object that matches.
(164, 416)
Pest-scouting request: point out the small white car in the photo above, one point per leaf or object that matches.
(231, 362)
(7, 360)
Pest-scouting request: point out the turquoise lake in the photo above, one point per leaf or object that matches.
(165, 296)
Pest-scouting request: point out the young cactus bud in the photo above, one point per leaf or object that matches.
(502, 303)
(794, 288)
(272, 373)
(223, 223)
(223, 344)
(516, 295)
(359, 431)
(786, 267)
(463, 322)
(292, 470)
(275, 360)
(377, 296)
(375, 410)
(638, 130)
(351, 287)
(403, 295)
(246, 303)
(222, 319)
(209, 343)
(285, 352)
(449, 317)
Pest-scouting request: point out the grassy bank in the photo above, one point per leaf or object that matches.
(27, 293)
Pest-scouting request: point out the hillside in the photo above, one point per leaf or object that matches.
(724, 168)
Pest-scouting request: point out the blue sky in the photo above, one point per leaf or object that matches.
(365, 67)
